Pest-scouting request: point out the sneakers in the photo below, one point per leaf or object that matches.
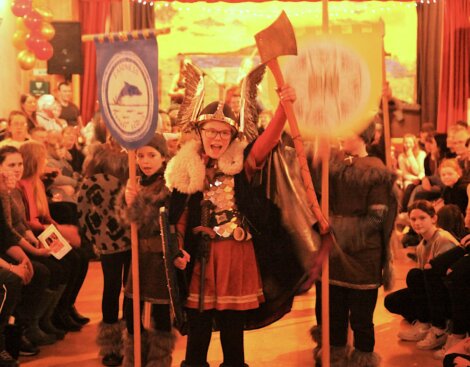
(452, 339)
(435, 338)
(415, 332)
(6, 360)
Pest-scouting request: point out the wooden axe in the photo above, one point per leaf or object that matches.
(277, 40)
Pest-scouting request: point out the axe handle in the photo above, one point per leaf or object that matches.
(299, 147)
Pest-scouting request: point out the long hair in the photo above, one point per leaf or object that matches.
(450, 218)
(416, 148)
(34, 155)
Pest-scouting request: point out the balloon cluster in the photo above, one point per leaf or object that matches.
(33, 33)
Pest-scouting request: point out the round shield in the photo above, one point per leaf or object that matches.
(338, 87)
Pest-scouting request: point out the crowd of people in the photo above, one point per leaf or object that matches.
(55, 170)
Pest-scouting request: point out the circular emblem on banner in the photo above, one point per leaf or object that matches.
(334, 84)
(127, 98)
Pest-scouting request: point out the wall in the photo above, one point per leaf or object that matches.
(10, 76)
(13, 80)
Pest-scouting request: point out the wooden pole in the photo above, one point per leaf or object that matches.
(134, 235)
(325, 278)
(385, 111)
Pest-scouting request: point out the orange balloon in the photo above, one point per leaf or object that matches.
(26, 59)
(19, 38)
(45, 13)
(20, 24)
(47, 31)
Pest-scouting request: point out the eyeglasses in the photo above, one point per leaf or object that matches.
(212, 134)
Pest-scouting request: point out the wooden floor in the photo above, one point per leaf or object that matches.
(286, 343)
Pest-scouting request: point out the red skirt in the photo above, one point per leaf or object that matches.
(232, 279)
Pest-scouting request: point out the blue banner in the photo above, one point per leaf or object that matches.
(127, 74)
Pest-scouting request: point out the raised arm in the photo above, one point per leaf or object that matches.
(271, 136)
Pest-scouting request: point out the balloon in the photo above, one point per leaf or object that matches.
(20, 25)
(19, 38)
(47, 31)
(26, 59)
(45, 13)
(43, 50)
(21, 7)
(33, 39)
(33, 20)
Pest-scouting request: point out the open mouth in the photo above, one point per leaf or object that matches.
(216, 148)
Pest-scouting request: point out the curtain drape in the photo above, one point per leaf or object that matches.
(93, 15)
(430, 17)
(142, 16)
(454, 87)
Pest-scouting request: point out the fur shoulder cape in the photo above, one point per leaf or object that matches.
(186, 171)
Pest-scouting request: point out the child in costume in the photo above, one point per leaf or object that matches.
(143, 205)
(106, 173)
(228, 276)
(362, 213)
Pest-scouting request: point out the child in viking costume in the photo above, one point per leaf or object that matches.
(362, 212)
(241, 275)
(143, 204)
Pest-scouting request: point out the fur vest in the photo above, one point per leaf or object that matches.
(363, 210)
(145, 209)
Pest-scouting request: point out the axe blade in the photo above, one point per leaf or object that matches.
(276, 40)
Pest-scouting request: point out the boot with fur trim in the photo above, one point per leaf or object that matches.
(184, 364)
(315, 332)
(128, 342)
(338, 356)
(160, 348)
(363, 359)
(110, 342)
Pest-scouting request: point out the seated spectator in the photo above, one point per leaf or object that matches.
(411, 162)
(70, 137)
(29, 105)
(17, 130)
(65, 183)
(456, 190)
(39, 134)
(448, 288)
(10, 293)
(38, 217)
(48, 114)
(411, 302)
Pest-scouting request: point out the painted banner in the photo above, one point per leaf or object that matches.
(127, 73)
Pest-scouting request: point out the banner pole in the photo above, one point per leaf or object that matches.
(134, 234)
(325, 278)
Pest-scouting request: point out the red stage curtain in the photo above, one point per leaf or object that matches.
(455, 70)
(93, 15)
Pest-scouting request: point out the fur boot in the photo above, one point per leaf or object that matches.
(184, 364)
(128, 342)
(363, 359)
(338, 356)
(315, 332)
(160, 348)
(109, 339)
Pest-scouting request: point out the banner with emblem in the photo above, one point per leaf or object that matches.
(127, 73)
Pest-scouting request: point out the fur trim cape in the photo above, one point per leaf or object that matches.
(186, 172)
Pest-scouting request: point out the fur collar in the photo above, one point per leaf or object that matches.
(186, 171)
